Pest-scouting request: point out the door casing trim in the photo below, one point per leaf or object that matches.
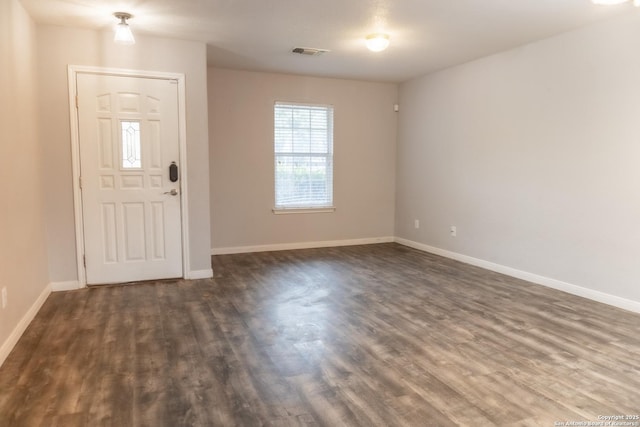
(72, 73)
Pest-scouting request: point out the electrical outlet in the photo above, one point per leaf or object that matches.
(453, 231)
(416, 223)
(4, 297)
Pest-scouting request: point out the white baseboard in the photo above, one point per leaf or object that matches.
(299, 245)
(591, 294)
(22, 325)
(199, 274)
(65, 286)
(74, 284)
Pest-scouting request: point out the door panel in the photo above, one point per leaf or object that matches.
(129, 137)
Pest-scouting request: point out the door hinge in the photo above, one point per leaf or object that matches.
(80, 182)
(77, 101)
(84, 260)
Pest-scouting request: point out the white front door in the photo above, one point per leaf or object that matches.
(129, 138)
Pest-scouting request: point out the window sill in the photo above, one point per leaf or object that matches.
(287, 211)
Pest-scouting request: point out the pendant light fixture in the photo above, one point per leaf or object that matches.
(123, 31)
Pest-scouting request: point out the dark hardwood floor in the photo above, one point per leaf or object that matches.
(378, 335)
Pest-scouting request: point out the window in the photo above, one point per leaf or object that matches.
(131, 158)
(303, 144)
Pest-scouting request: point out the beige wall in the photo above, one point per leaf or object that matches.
(23, 257)
(534, 155)
(60, 47)
(241, 159)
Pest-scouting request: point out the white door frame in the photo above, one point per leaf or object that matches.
(73, 71)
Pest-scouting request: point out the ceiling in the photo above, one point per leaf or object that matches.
(426, 35)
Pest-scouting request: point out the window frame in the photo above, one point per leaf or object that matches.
(328, 155)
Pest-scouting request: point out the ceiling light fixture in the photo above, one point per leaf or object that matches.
(377, 42)
(123, 31)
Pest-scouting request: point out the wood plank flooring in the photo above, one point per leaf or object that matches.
(378, 335)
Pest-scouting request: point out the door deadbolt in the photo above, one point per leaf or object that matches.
(173, 172)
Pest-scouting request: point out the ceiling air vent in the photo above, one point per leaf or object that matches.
(311, 51)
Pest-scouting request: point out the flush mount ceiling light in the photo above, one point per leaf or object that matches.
(123, 31)
(636, 3)
(377, 42)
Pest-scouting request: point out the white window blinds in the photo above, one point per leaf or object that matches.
(303, 144)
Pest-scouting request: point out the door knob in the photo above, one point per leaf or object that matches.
(173, 192)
